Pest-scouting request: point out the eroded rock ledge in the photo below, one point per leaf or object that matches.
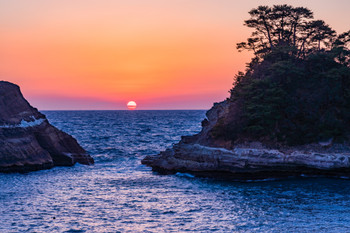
(248, 163)
(28, 141)
(202, 155)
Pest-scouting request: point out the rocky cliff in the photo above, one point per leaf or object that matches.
(204, 155)
(28, 141)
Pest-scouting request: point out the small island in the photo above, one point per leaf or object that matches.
(287, 115)
(28, 142)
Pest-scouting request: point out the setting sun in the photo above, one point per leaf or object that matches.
(131, 105)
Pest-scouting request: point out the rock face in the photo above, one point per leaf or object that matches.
(28, 141)
(204, 155)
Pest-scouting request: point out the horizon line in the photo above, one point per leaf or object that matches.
(122, 110)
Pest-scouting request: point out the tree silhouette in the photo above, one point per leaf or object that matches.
(284, 25)
(296, 89)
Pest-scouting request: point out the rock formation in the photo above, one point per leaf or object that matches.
(28, 141)
(203, 155)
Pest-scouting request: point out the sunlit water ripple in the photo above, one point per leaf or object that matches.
(118, 194)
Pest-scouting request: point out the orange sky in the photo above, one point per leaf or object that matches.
(100, 54)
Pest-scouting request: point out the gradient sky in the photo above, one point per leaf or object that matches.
(163, 54)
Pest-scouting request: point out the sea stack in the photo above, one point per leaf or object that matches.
(288, 113)
(28, 141)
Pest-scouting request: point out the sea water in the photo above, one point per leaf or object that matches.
(118, 194)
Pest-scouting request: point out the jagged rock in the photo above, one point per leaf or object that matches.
(28, 141)
(203, 155)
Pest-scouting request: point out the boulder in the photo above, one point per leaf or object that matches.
(28, 141)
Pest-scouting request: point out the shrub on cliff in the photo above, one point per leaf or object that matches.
(296, 90)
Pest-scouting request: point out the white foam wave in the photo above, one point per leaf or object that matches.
(25, 124)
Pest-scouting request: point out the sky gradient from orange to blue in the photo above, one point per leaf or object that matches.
(176, 54)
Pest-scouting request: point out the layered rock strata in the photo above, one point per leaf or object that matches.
(28, 141)
(203, 155)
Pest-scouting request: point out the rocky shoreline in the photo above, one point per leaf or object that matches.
(28, 142)
(203, 155)
(248, 163)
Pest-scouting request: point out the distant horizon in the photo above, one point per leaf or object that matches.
(127, 110)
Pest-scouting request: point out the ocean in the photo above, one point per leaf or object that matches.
(118, 194)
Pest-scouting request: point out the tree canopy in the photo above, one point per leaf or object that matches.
(295, 27)
(296, 89)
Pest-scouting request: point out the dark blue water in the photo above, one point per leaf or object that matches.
(118, 194)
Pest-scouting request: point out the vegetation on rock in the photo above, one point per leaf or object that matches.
(296, 89)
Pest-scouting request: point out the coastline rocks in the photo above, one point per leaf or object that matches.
(247, 163)
(202, 155)
(28, 141)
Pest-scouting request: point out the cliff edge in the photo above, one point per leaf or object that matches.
(28, 141)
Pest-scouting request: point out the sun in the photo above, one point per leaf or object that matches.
(131, 105)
